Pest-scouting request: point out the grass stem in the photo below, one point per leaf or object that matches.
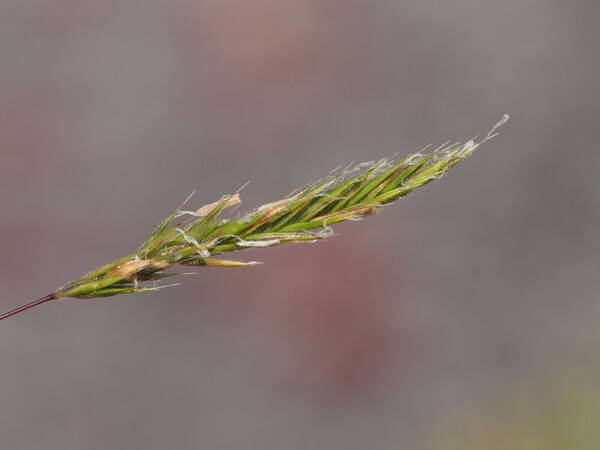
(33, 304)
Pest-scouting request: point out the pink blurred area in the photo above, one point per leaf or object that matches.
(387, 335)
(317, 321)
(268, 71)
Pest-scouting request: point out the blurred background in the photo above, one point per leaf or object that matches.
(463, 317)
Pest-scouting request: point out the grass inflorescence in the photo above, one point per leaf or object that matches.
(200, 237)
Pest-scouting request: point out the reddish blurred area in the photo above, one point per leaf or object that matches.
(267, 71)
(33, 127)
(317, 321)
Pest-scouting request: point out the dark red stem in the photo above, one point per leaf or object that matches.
(45, 299)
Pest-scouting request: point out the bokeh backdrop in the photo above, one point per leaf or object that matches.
(463, 317)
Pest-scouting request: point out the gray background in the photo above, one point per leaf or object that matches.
(465, 316)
